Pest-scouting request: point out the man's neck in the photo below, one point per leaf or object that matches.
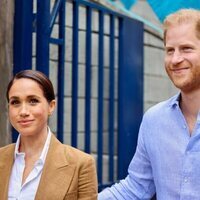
(190, 106)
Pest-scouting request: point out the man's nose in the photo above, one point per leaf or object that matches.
(177, 58)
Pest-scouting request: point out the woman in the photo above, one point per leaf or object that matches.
(38, 166)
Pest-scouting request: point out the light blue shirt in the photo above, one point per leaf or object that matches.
(167, 158)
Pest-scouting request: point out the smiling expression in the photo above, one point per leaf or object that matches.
(28, 108)
(182, 58)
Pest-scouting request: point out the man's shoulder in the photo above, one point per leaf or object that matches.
(162, 107)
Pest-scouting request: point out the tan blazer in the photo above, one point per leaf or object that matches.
(68, 173)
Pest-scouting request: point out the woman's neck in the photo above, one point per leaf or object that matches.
(33, 144)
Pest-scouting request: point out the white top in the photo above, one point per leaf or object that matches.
(27, 191)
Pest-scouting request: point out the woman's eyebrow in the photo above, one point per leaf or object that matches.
(28, 97)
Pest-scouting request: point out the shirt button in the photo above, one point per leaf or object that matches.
(185, 180)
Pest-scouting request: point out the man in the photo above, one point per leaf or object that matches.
(167, 159)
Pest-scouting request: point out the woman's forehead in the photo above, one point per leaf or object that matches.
(24, 85)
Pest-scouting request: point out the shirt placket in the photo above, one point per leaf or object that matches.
(191, 156)
(19, 173)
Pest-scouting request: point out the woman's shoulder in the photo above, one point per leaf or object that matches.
(78, 157)
(71, 151)
(6, 152)
(7, 148)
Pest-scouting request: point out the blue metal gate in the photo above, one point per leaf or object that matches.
(126, 35)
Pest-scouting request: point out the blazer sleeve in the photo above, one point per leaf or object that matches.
(87, 183)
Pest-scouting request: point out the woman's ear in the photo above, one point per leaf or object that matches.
(52, 106)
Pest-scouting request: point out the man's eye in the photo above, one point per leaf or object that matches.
(187, 49)
(169, 51)
(33, 101)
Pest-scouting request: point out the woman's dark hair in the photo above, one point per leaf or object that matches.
(43, 81)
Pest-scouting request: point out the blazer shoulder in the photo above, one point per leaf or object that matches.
(69, 151)
(7, 148)
(6, 152)
(80, 156)
(69, 154)
(78, 152)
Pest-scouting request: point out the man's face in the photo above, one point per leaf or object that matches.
(182, 57)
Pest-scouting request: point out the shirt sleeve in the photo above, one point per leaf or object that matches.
(139, 182)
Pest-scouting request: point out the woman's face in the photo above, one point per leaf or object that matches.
(28, 108)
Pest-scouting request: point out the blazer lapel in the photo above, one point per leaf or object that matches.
(6, 162)
(57, 173)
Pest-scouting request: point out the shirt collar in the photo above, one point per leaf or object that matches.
(44, 151)
(174, 101)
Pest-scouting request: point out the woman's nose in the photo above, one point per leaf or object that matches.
(24, 111)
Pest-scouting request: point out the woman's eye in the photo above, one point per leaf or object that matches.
(33, 101)
(14, 102)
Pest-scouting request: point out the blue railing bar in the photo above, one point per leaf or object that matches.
(54, 14)
(57, 41)
(120, 70)
(22, 57)
(42, 37)
(23, 27)
(111, 99)
(99, 7)
(34, 21)
(61, 73)
(88, 80)
(100, 95)
(75, 74)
